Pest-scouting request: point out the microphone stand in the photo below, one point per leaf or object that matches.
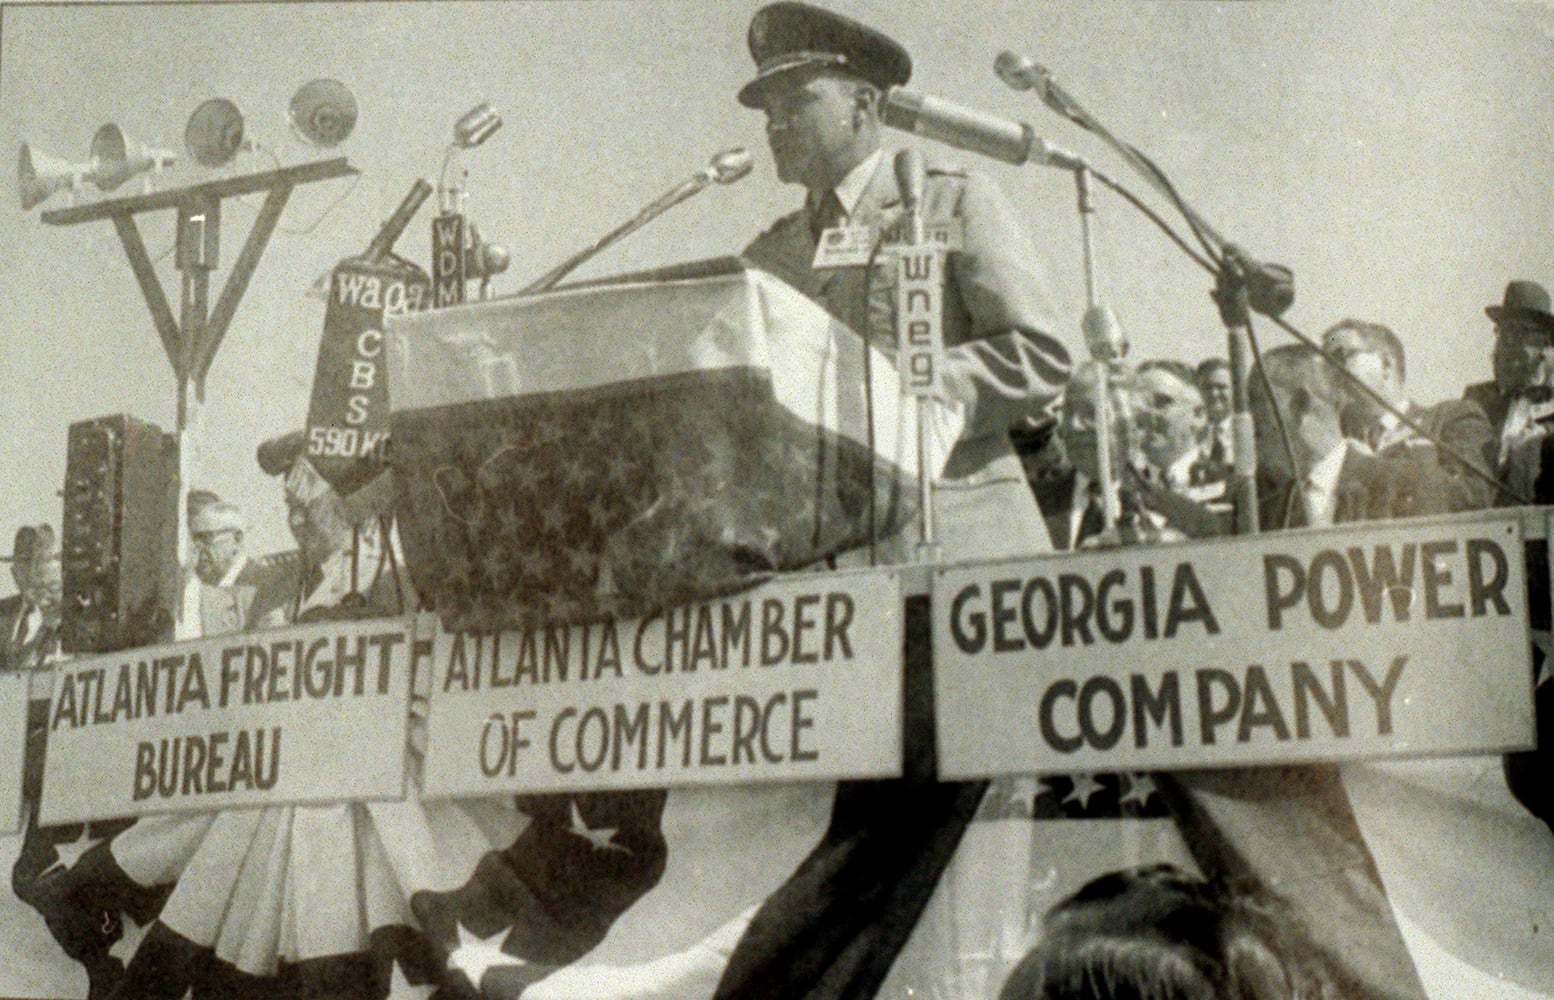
(726, 168)
(1106, 345)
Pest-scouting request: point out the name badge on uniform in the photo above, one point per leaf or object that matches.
(844, 246)
(850, 246)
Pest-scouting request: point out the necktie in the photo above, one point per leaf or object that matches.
(1093, 519)
(825, 215)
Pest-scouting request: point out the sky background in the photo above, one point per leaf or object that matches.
(1397, 156)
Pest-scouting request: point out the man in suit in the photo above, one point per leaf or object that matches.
(1322, 478)
(1214, 381)
(820, 78)
(1173, 430)
(29, 620)
(228, 591)
(1373, 354)
(1519, 401)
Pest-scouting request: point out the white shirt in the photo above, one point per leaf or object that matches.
(850, 191)
(1319, 488)
(188, 625)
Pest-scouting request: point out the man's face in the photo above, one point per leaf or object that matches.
(1366, 362)
(216, 548)
(319, 526)
(41, 581)
(1312, 422)
(1079, 423)
(1215, 387)
(812, 126)
(1524, 355)
(1170, 416)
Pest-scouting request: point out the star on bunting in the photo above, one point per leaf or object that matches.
(1085, 786)
(476, 955)
(129, 942)
(601, 838)
(71, 853)
(401, 988)
(1140, 788)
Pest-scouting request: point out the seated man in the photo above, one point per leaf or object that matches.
(1214, 382)
(1173, 428)
(351, 561)
(1066, 476)
(1519, 401)
(1323, 478)
(228, 591)
(1373, 354)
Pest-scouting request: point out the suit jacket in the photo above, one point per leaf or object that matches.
(260, 597)
(1001, 365)
(27, 655)
(1368, 489)
(1463, 427)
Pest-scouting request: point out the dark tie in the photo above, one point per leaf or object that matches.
(1094, 517)
(826, 215)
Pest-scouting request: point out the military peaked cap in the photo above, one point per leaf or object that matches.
(790, 36)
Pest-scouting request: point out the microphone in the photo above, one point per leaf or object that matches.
(1019, 72)
(971, 130)
(910, 177)
(730, 165)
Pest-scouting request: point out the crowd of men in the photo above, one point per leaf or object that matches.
(1337, 436)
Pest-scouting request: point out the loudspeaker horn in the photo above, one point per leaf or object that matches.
(39, 176)
(214, 133)
(116, 159)
(323, 112)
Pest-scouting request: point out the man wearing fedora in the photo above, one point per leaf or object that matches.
(820, 79)
(1519, 401)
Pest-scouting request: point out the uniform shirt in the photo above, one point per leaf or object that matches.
(1000, 364)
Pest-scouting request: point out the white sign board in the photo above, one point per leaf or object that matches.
(314, 713)
(13, 749)
(798, 679)
(1392, 639)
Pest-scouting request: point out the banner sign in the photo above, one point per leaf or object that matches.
(348, 415)
(314, 713)
(795, 680)
(1377, 640)
(13, 748)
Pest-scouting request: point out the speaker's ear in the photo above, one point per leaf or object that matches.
(323, 112)
(116, 159)
(214, 133)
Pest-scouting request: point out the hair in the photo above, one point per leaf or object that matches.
(1157, 933)
(1375, 336)
(1178, 369)
(33, 541)
(1208, 365)
(1298, 367)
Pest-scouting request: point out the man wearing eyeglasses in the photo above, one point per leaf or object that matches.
(1373, 354)
(229, 592)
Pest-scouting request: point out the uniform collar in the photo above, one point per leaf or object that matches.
(849, 191)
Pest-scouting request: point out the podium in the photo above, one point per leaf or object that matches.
(621, 447)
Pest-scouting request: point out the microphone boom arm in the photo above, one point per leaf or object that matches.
(725, 168)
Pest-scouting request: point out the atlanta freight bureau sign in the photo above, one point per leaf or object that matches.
(799, 678)
(306, 714)
(1396, 639)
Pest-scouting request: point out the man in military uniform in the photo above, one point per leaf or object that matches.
(820, 79)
